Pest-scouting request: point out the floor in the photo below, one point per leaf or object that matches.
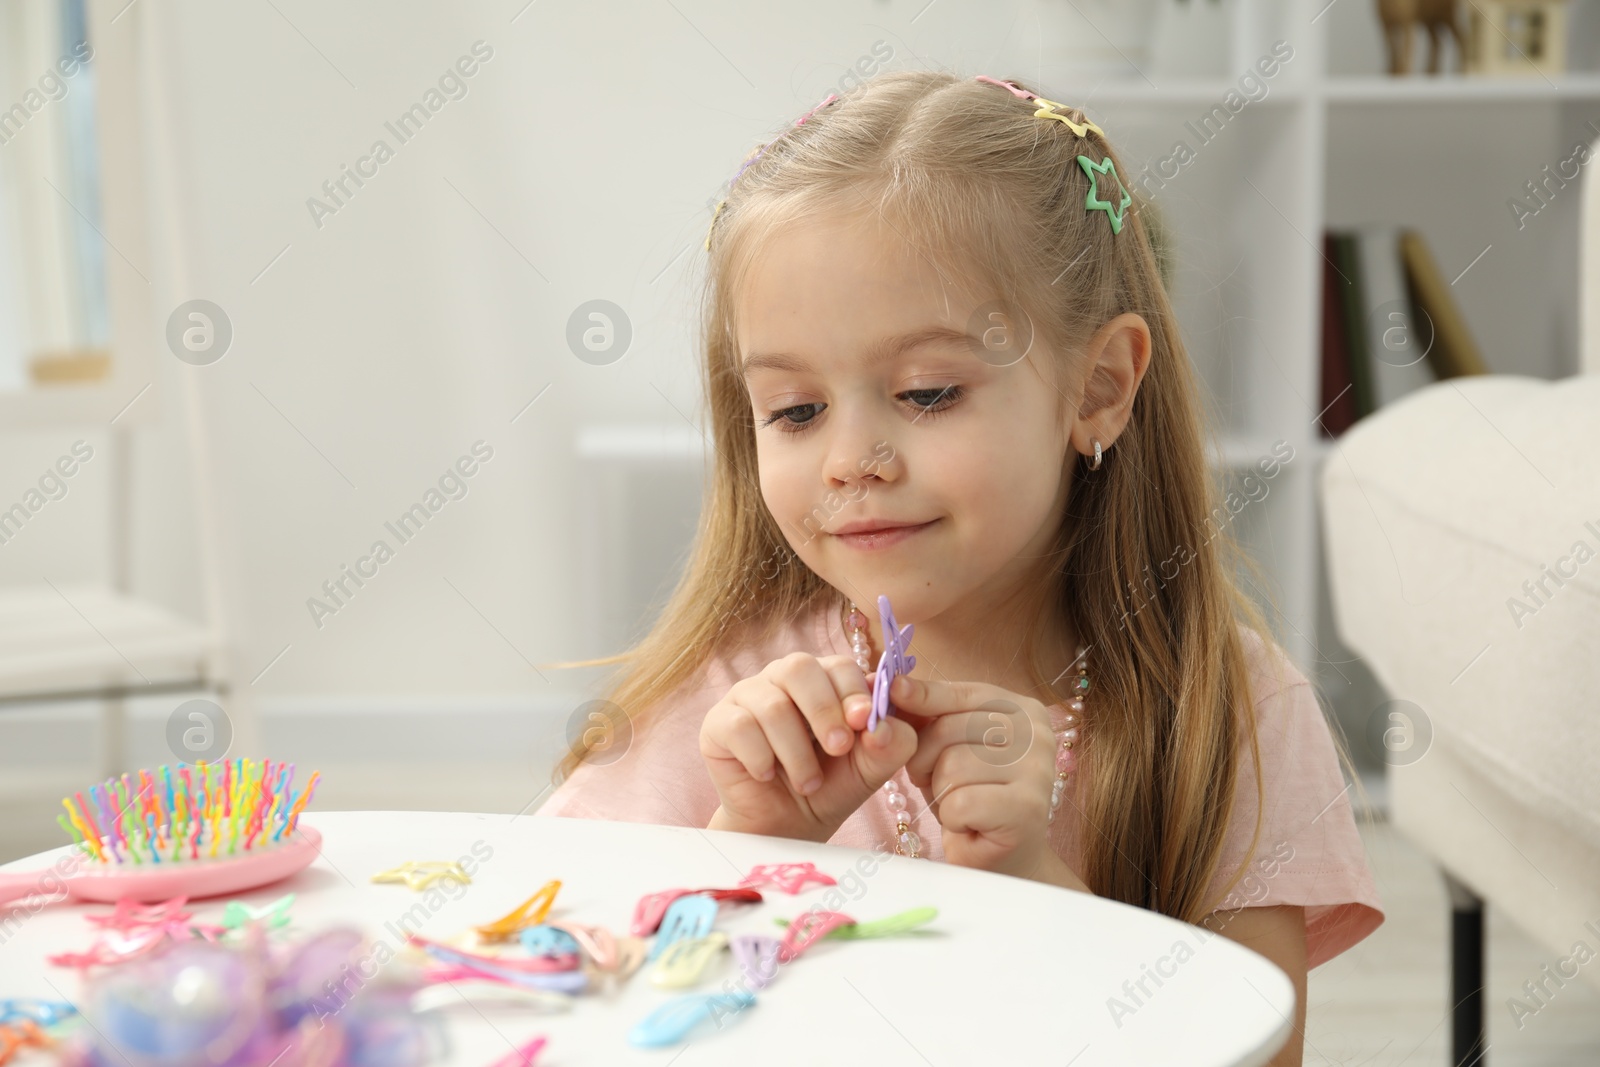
(1381, 1004)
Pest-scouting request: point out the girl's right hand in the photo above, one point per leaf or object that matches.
(786, 729)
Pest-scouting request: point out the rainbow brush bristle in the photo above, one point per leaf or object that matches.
(193, 830)
(202, 812)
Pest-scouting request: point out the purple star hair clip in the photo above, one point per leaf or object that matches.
(893, 663)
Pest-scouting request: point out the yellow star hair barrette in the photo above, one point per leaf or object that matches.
(1093, 201)
(421, 874)
(1047, 111)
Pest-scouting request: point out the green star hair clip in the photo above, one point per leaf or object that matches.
(1092, 201)
(272, 916)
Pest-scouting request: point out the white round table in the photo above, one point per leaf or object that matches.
(1011, 971)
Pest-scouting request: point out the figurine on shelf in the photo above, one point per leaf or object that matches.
(1516, 37)
(1400, 17)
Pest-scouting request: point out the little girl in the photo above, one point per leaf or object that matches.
(942, 368)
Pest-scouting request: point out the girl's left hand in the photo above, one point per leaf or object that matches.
(985, 761)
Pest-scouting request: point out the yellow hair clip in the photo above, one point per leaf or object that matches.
(682, 961)
(420, 874)
(713, 225)
(1046, 111)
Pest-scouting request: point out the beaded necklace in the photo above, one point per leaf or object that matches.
(906, 841)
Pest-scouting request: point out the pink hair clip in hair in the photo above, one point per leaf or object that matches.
(1046, 107)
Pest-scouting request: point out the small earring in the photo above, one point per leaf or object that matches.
(1095, 465)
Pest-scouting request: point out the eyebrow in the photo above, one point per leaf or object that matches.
(881, 352)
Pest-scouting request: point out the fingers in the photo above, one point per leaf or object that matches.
(989, 809)
(784, 734)
(929, 697)
(884, 751)
(817, 688)
(995, 738)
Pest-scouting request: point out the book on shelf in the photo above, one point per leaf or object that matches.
(1389, 323)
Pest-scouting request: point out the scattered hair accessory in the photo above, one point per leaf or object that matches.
(687, 918)
(789, 877)
(24, 1033)
(43, 1012)
(450, 987)
(418, 875)
(683, 960)
(555, 974)
(647, 913)
(902, 923)
(530, 912)
(272, 916)
(807, 930)
(525, 1056)
(671, 1023)
(547, 940)
(1092, 201)
(757, 955)
(894, 662)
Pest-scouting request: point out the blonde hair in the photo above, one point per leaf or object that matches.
(992, 195)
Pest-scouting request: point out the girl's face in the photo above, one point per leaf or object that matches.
(875, 400)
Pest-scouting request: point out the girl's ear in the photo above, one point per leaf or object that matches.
(1117, 355)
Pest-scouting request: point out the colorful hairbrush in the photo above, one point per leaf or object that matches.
(199, 830)
(894, 662)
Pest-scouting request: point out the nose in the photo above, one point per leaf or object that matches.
(859, 455)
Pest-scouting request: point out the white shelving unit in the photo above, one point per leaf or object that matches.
(1334, 143)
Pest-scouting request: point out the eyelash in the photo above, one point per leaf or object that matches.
(946, 398)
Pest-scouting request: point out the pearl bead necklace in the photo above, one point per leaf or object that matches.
(906, 841)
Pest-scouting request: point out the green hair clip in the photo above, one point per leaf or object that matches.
(1092, 201)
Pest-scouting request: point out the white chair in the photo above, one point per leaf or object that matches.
(1444, 514)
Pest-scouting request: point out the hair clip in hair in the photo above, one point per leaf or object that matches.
(757, 955)
(680, 965)
(894, 662)
(807, 930)
(1046, 107)
(789, 877)
(687, 918)
(671, 1023)
(530, 912)
(1093, 201)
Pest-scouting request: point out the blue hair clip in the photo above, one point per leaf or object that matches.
(687, 918)
(894, 662)
(546, 940)
(671, 1023)
(44, 1012)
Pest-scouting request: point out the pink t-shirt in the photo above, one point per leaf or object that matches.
(1309, 852)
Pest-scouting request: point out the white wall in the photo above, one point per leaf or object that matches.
(426, 312)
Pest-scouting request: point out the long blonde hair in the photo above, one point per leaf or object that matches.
(989, 192)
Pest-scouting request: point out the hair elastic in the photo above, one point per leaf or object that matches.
(753, 156)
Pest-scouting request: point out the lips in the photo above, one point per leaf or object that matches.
(880, 534)
(875, 526)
